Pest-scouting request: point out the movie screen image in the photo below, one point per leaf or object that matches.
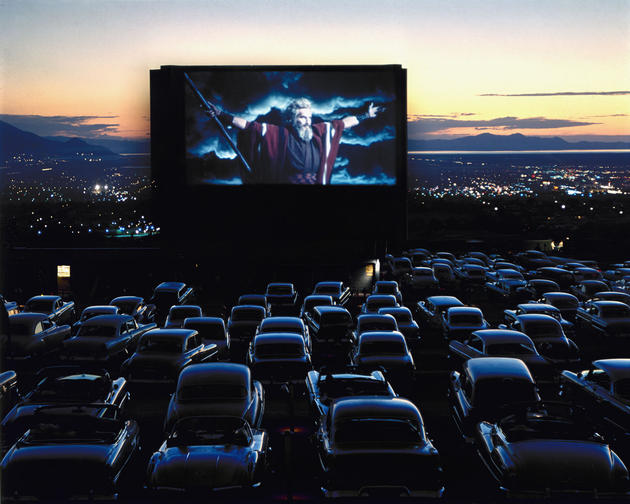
(306, 126)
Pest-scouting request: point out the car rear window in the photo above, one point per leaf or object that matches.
(212, 391)
(462, 320)
(509, 349)
(97, 330)
(327, 289)
(279, 350)
(248, 314)
(615, 311)
(279, 290)
(160, 344)
(393, 347)
(38, 306)
(377, 432)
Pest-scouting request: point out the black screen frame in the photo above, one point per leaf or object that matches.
(198, 215)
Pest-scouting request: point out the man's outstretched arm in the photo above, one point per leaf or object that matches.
(350, 121)
(226, 117)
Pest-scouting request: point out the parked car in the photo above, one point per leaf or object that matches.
(54, 307)
(404, 320)
(104, 340)
(422, 278)
(32, 336)
(551, 342)
(93, 311)
(216, 389)
(545, 309)
(310, 302)
(401, 267)
(460, 321)
(162, 354)
(282, 298)
(505, 284)
(433, 307)
(604, 390)
(370, 322)
(337, 290)
(562, 277)
(178, 313)
(375, 301)
(209, 454)
(565, 302)
(293, 325)
(331, 333)
(324, 388)
(622, 297)
(63, 457)
(583, 273)
(488, 388)
(168, 294)
(386, 351)
(501, 343)
(254, 299)
(531, 259)
(543, 451)
(605, 327)
(9, 392)
(279, 358)
(444, 275)
(64, 385)
(388, 287)
(211, 330)
(136, 307)
(243, 322)
(586, 289)
(377, 446)
(535, 288)
(470, 275)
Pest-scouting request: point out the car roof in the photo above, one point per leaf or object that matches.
(617, 369)
(559, 295)
(282, 322)
(375, 407)
(380, 336)
(170, 286)
(532, 307)
(204, 320)
(280, 284)
(107, 320)
(483, 368)
(380, 297)
(389, 310)
(100, 308)
(444, 300)
(175, 334)
(490, 336)
(536, 317)
(45, 297)
(215, 372)
(374, 317)
(127, 299)
(330, 309)
(464, 309)
(609, 302)
(330, 283)
(275, 338)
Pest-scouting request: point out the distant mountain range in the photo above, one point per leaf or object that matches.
(15, 141)
(517, 141)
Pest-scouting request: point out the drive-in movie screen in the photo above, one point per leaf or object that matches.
(312, 126)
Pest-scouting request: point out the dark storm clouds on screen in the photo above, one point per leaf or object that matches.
(263, 96)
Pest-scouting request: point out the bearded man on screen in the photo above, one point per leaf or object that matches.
(300, 153)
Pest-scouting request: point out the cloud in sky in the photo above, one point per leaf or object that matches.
(564, 93)
(87, 126)
(424, 125)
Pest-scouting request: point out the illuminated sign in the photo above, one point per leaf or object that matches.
(63, 271)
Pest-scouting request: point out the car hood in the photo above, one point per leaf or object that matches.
(202, 467)
(567, 465)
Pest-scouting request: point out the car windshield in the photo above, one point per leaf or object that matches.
(615, 311)
(465, 320)
(160, 344)
(77, 388)
(565, 303)
(126, 307)
(248, 314)
(385, 289)
(97, 330)
(402, 316)
(209, 391)
(518, 428)
(337, 318)
(423, 273)
(79, 432)
(393, 347)
(542, 330)
(214, 332)
(334, 388)
(495, 393)
(182, 313)
(208, 431)
(374, 305)
(509, 349)
(309, 304)
(622, 389)
(377, 432)
(279, 290)
(38, 306)
(386, 325)
(279, 350)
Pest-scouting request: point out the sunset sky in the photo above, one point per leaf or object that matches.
(80, 67)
